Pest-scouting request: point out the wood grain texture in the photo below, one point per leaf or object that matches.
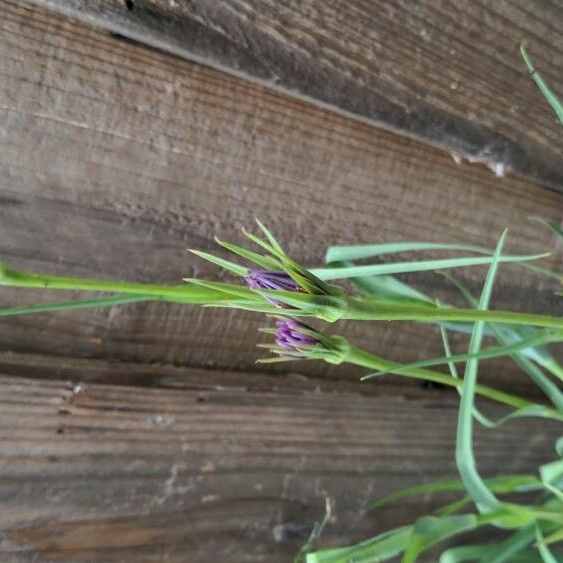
(117, 473)
(114, 159)
(446, 72)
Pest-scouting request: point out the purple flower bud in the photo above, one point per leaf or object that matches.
(267, 279)
(290, 335)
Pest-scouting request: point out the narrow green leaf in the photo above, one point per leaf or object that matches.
(454, 507)
(477, 414)
(226, 288)
(509, 548)
(554, 227)
(275, 245)
(546, 91)
(464, 553)
(266, 246)
(384, 286)
(430, 530)
(555, 537)
(74, 304)
(265, 262)
(545, 552)
(390, 287)
(504, 334)
(226, 264)
(531, 411)
(414, 266)
(474, 553)
(379, 548)
(465, 457)
(364, 251)
(552, 477)
(502, 484)
(540, 337)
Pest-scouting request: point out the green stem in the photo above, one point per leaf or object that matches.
(185, 293)
(365, 359)
(360, 309)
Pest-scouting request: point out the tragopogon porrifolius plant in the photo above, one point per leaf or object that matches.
(272, 283)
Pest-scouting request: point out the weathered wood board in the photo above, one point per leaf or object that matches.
(114, 159)
(93, 472)
(449, 73)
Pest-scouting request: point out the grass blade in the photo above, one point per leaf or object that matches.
(465, 457)
(554, 227)
(546, 91)
(430, 530)
(363, 251)
(379, 548)
(555, 537)
(413, 266)
(74, 304)
(509, 548)
(473, 553)
(226, 264)
(504, 334)
(545, 552)
(539, 337)
(501, 485)
(477, 414)
(265, 262)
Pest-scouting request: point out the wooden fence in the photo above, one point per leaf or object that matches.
(131, 131)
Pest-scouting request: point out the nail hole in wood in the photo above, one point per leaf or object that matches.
(129, 4)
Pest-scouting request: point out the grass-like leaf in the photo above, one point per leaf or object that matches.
(477, 414)
(505, 551)
(226, 264)
(363, 251)
(543, 548)
(265, 262)
(554, 227)
(552, 477)
(505, 334)
(473, 553)
(538, 338)
(385, 287)
(555, 537)
(379, 548)
(271, 239)
(501, 485)
(544, 88)
(96, 302)
(430, 530)
(413, 266)
(465, 458)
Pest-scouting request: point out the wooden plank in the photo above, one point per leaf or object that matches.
(448, 73)
(116, 158)
(116, 473)
(108, 371)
